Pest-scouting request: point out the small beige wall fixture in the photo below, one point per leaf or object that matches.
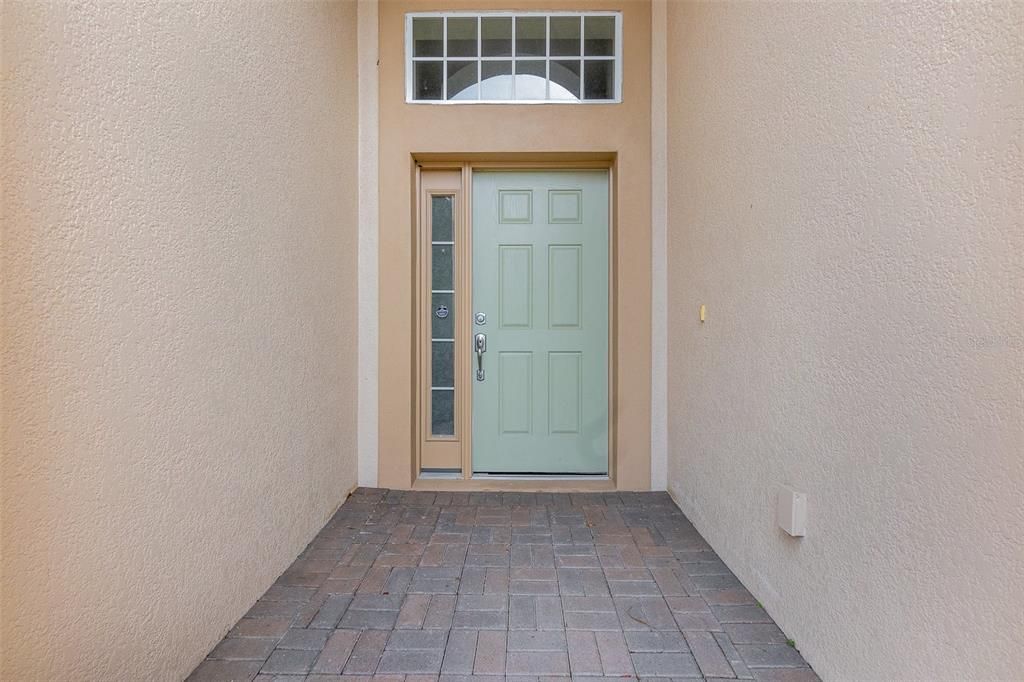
(179, 245)
(845, 197)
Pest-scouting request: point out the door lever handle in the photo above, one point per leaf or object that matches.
(480, 346)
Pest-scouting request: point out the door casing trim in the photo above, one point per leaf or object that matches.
(466, 165)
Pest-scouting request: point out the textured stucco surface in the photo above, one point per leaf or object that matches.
(179, 271)
(845, 196)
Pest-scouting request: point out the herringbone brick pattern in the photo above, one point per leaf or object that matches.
(449, 586)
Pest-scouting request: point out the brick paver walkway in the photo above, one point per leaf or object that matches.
(427, 586)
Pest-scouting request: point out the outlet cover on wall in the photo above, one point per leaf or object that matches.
(791, 511)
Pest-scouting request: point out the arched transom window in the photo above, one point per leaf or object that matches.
(520, 57)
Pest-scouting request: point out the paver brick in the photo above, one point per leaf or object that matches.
(750, 613)
(243, 649)
(336, 651)
(289, 661)
(225, 671)
(536, 640)
(633, 588)
(754, 633)
(534, 587)
(697, 621)
(668, 582)
(460, 652)
(260, 627)
(413, 611)
(330, 613)
(687, 605)
(665, 665)
(273, 609)
(549, 613)
(537, 663)
(376, 602)
(481, 602)
(449, 586)
(288, 593)
(532, 573)
(734, 595)
(644, 613)
(440, 612)
(581, 620)
(490, 653)
(496, 581)
(302, 638)
(733, 656)
(584, 658)
(358, 619)
(417, 639)
(472, 581)
(586, 604)
(410, 661)
(785, 675)
(481, 620)
(366, 653)
(708, 654)
(615, 658)
(656, 642)
(715, 582)
(770, 656)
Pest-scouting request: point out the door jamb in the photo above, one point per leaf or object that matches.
(463, 310)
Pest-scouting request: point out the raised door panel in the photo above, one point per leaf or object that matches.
(565, 391)
(565, 286)
(515, 285)
(515, 392)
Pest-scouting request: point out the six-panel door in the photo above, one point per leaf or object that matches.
(540, 277)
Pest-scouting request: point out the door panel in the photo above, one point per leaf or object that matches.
(564, 286)
(540, 275)
(515, 293)
(515, 392)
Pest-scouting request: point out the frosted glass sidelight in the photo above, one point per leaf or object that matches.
(441, 269)
(442, 312)
(442, 412)
(441, 219)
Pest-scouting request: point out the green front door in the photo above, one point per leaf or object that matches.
(540, 304)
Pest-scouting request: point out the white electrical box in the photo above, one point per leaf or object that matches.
(791, 511)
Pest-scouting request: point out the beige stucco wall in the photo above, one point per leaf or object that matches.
(845, 196)
(179, 259)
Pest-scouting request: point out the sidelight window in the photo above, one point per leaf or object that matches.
(442, 328)
(514, 57)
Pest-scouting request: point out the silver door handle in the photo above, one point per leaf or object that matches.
(480, 346)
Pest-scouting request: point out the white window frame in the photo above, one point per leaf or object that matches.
(410, 60)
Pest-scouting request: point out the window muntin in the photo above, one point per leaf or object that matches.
(520, 57)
